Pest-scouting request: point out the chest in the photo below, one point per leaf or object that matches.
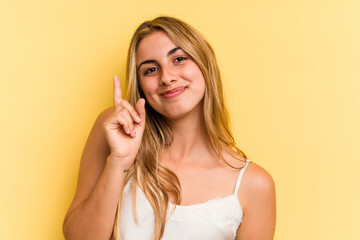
(216, 219)
(199, 185)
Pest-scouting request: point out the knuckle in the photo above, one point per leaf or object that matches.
(133, 111)
(121, 113)
(120, 119)
(123, 102)
(124, 114)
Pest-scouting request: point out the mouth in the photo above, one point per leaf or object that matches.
(173, 92)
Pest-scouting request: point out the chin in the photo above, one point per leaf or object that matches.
(179, 110)
(173, 115)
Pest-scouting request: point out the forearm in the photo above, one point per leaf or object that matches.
(94, 218)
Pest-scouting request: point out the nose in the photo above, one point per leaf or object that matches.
(168, 77)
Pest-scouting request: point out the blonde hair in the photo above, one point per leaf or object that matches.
(156, 181)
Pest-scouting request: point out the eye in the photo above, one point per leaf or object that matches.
(180, 59)
(150, 70)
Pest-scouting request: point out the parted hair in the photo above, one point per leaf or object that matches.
(156, 181)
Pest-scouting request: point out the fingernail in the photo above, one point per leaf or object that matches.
(138, 119)
(133, 133)
(128, 130)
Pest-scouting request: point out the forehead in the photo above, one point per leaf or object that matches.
(154, 45)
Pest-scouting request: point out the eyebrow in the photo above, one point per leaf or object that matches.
(172, 51)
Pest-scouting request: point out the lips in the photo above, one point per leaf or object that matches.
(173, 92)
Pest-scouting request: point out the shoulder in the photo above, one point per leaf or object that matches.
(257, 180)
(257, 185)
(258, 177)
(257, 198)
(105, 114)
(98, 125)
(96, 140)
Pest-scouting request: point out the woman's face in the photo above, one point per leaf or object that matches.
(170, 79)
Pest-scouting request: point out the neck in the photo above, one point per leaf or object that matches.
(189, 140)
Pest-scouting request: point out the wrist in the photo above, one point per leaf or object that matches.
(121, 164)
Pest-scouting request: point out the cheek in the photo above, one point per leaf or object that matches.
(192, 71)
(148, 87)
(194, 74)
(197, 78)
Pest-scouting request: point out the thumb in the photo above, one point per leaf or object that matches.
(140, 109)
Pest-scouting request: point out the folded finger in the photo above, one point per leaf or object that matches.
(129, 120)
(134, 114)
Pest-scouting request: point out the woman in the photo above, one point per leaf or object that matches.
(164, 165)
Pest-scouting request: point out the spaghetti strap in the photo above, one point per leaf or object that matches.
(241, 173)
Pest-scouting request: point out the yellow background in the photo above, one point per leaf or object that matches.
(291, 71)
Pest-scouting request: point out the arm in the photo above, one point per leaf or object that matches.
(257, 195)
(101, 177)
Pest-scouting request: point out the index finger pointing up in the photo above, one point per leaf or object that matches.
(117, 91)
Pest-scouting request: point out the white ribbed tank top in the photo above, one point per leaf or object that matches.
(216, 219)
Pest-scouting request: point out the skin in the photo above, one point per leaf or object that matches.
(110, 149)
(169, 67)
(115, 140)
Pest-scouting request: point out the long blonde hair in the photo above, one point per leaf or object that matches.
(156, 181)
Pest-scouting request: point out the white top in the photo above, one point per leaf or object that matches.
(216, 219)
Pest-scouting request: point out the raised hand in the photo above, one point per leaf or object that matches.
(125, 127)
